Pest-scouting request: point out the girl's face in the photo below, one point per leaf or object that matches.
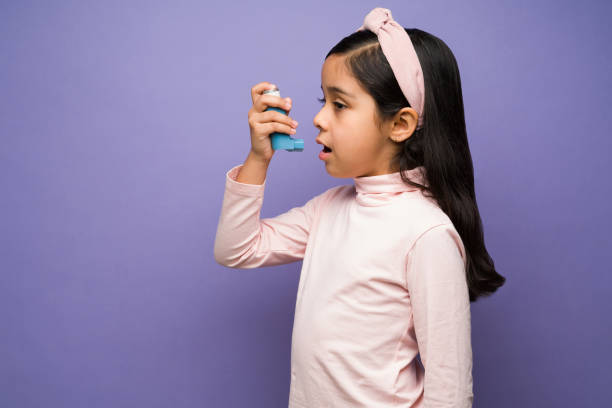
(346, 124)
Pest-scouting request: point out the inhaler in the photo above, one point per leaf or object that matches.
(283, 140)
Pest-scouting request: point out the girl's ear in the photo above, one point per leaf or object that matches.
(404, 124)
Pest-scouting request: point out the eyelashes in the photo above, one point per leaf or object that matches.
(337, 104)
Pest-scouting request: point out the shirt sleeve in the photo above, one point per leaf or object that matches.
(436, 280)
(245, 241)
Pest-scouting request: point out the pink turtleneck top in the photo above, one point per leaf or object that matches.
(382, 280)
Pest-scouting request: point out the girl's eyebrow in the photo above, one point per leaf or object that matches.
(338, 90)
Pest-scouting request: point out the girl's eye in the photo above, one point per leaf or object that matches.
(338, 104)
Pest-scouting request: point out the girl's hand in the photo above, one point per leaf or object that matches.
(263, 124)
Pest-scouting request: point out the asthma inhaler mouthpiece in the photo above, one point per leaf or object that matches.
(283, 140)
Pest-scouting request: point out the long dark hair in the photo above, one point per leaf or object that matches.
(440, 146)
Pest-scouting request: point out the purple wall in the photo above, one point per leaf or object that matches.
(118, 121)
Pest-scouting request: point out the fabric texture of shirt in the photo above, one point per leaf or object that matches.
(382, 280)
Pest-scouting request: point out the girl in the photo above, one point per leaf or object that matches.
(391, 262)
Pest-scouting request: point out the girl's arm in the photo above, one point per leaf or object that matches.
(245, 241)
(254, 170)
(440, 302)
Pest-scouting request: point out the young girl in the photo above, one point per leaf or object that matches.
(391, 262)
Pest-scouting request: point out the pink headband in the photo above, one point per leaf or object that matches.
(397, 47)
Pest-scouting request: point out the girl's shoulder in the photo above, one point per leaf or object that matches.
(321, 200)
(417, 214)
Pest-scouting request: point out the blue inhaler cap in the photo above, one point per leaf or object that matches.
(283, 140)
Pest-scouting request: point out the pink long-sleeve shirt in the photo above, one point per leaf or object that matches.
(382, 280)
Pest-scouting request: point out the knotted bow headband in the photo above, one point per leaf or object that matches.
(397, 47)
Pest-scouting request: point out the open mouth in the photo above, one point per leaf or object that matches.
(326, 149)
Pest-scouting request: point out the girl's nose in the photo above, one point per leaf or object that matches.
(317, 121)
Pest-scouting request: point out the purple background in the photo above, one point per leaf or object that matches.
(119, 120)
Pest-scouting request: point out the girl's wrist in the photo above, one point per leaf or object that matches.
(254, 170)
(258, 158)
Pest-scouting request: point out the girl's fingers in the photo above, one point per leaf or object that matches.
(271, 127)
(274, 116)
(258, 90)
(263, 102)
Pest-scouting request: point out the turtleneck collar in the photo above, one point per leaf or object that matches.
(377, 190)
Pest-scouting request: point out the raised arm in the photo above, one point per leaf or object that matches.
(435, 277)
(245, 241)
